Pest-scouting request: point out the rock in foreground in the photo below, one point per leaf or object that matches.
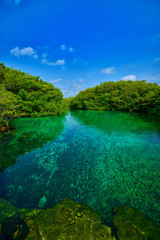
(68, 220)
(131, 224)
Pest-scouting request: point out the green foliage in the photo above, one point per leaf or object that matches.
(138, 96)
(8, 106)
(2, 72)
(34, 96)
(132, 224)
(22, 94)
(67, 102)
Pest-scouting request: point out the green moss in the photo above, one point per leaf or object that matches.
(71, 220)
(67, 220)
(132, 224)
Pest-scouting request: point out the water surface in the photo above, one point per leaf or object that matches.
(102, 159)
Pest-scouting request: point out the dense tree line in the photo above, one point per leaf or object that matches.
(22, 94)
(138, 96)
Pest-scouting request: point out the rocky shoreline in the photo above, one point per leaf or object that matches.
(75, 221)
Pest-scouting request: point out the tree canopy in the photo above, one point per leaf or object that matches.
(8, 106)
(138, 96)
(22, 94)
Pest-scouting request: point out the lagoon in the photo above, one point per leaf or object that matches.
(100, 158)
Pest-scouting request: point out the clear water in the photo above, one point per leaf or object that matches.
(102, 159)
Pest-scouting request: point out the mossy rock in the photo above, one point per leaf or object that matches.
(71, 220)
(131, 224)
(19, 229)
(16, 224)
(68, 220)
(6, 210)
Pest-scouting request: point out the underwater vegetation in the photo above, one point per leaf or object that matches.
(101, 159)
(71, 220)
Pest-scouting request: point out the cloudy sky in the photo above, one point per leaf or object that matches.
(76, 44)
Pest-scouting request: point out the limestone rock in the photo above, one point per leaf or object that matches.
(71, 220)
(18, 228)
(131, 224)
(16, 223)
(67, 220)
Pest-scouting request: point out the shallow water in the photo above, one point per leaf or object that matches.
(102, 159)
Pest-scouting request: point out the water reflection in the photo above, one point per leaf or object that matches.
(28, 134)
(107, 121)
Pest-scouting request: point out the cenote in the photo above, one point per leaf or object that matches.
(102, 159)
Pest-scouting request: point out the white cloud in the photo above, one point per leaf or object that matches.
(57, 63)
(60, 62)
(156, 60)
(130, 77)
(35, 56)
(63, 47)
(75, 60)
(80, 61)
(44, 55)
(76, 86)
(109, 70)
(56, 80)
(69, 92)
(71, 49)
(44, 60)
(71, 89)
(154, 77)
(27, 51)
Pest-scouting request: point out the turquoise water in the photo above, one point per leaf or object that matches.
(102, 159)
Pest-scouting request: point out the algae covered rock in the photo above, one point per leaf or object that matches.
(68, 220)
(19, 229)
(71, 220)
(16, 224)
(6, 210)
(131, 224)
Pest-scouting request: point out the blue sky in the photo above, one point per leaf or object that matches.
(77, 44)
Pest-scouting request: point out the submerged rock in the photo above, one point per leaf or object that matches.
(42, 202)
(16, 224)
(72, 220)
(17, 228)
(69, 220)
(131, 224)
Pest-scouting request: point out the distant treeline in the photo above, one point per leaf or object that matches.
(22, 94)
(137, 96)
